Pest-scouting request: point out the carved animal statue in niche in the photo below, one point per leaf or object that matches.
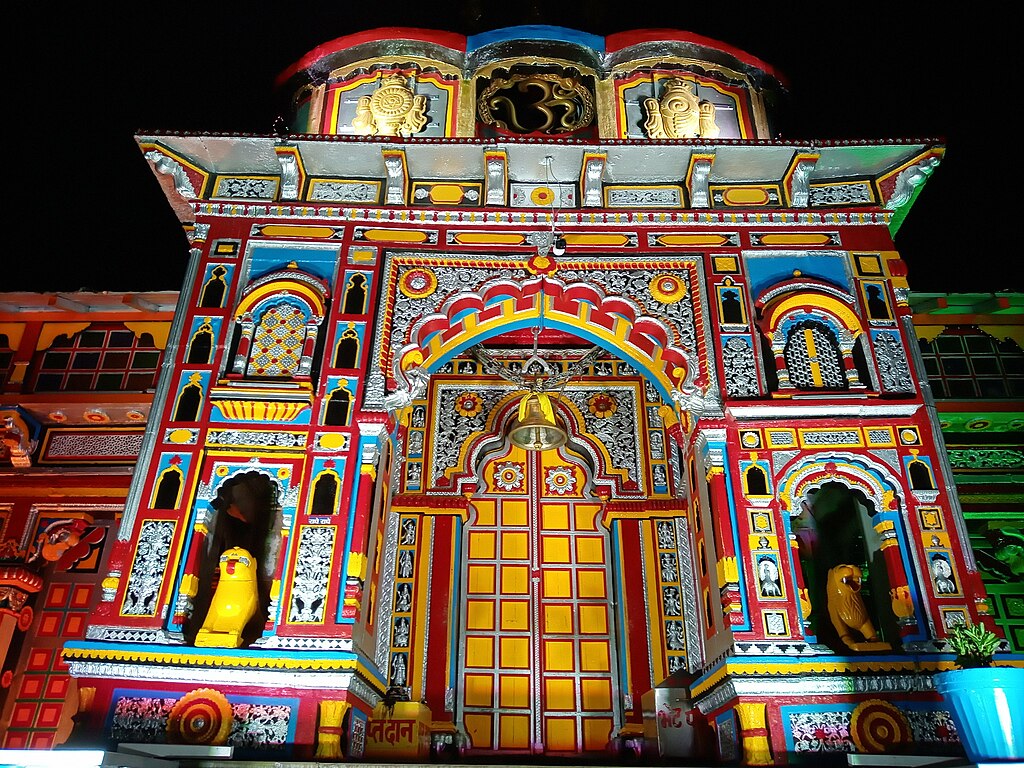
(234, 601)
(680, 114)
(847, 610)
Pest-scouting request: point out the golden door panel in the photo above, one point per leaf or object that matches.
(536, 649)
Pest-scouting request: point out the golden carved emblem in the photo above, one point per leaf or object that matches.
(393, 110)
(537, 103)
(680, 114)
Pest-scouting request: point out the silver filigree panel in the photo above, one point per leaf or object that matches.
(740, 368)
(148, 567)
(312, 573)
(892, 363)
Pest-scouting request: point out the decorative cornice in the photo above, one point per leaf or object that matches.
(530, 217)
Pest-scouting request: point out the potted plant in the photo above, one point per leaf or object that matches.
(986, 701)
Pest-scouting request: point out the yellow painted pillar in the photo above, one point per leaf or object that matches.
(328, 731)
(754, 733)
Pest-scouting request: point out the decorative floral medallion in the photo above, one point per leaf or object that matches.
(602, 405)
(542, 196)
(509, 476)
(560, 481)
(418, 283)
(878, 727)
(668, 289)
(221, 471)
(202, 716)
(135, 415)
(468, 404)
(97, 416)
(57, 416)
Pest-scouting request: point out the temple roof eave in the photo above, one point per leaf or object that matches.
(897, 168)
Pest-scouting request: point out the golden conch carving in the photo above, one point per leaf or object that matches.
(393, 110)
(680, 114)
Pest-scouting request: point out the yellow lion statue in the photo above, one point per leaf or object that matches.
(234, 602)
(847, 610)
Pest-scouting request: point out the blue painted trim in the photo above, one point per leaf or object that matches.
(455, 603)
(358, 466)
(577, 330)
(620, 607)
(740, 567)
(535, 32)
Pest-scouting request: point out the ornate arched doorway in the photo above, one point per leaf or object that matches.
(536, 645)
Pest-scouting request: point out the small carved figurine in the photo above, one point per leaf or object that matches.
(847, 610)
(234, 601)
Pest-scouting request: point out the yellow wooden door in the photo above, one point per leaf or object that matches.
(537, 661)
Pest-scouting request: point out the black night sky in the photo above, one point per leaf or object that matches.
(89, 215)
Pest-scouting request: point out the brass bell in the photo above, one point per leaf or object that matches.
(537, 428)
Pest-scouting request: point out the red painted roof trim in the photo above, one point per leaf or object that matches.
(447, 39)
(620, 40)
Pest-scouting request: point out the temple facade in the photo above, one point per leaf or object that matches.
(530, 396)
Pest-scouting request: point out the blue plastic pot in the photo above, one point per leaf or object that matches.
(988, 708)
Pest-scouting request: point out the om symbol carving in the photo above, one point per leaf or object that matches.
(680, 114)
(544, 103)
(394, 109)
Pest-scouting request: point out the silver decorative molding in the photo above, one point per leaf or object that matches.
(289, 175)
(797, 410)
(799, 181)
(305, 643)
(700, 173)
(909, 180)
(590, 179)
(244, 677)
(170, 167)
(394, 164)
(132, 635)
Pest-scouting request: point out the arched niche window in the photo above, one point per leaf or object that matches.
(324, 499)
(168, 489)
(920, 476)
(346, 354)
(200, 346)
(189, 399)
(277, 326)
(214, 289)
(339, 407)
(835, 527)
(730, 303)
(246, 514)
(812, 336)
(756, 481)
(355, 295)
